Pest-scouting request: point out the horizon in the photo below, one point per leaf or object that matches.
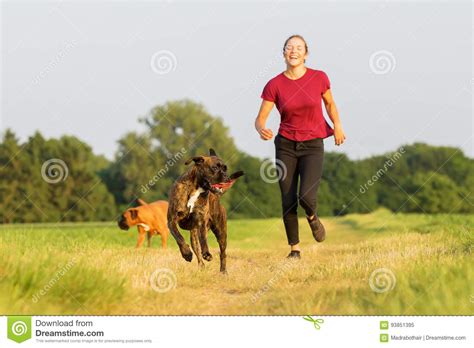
(401, 146)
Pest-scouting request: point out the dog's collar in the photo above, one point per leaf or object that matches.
(145, 226)
(193, 198)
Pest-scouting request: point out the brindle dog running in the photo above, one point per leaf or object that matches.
(194, 206)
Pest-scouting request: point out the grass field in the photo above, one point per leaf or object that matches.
(92, 268)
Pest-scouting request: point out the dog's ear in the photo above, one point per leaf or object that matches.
(197, 160)
(134, 214)
(212, 152)
(141, 202)
(236, 175)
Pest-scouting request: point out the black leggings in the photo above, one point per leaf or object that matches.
(293, 159)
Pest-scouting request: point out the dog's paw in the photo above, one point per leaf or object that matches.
(186, 252)
(207, 256)
(188, 256)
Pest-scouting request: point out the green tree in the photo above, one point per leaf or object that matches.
(52, 180)
(128, 177)
(256, 194)
(433, 193)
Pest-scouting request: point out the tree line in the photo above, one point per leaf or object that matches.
(56, 180)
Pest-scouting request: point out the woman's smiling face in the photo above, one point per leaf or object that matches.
(295, 52)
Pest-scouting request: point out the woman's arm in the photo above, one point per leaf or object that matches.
(331, 109)
(265, 108)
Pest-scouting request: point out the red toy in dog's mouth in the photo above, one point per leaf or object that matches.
(221, 186)
(224, 185)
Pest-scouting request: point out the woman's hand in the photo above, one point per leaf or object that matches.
(331, 109)
(339, 135)
(265, 133)
(265, 108)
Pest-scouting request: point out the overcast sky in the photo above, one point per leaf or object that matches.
(400, 71)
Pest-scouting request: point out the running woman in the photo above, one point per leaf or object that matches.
(299, 146)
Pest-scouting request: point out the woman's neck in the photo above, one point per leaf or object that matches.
(295, 72)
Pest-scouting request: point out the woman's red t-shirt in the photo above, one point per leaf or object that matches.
(299, 104)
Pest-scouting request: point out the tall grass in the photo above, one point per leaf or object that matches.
(94, 269)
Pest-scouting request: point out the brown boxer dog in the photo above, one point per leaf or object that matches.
(150, 220)
(194, 206)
